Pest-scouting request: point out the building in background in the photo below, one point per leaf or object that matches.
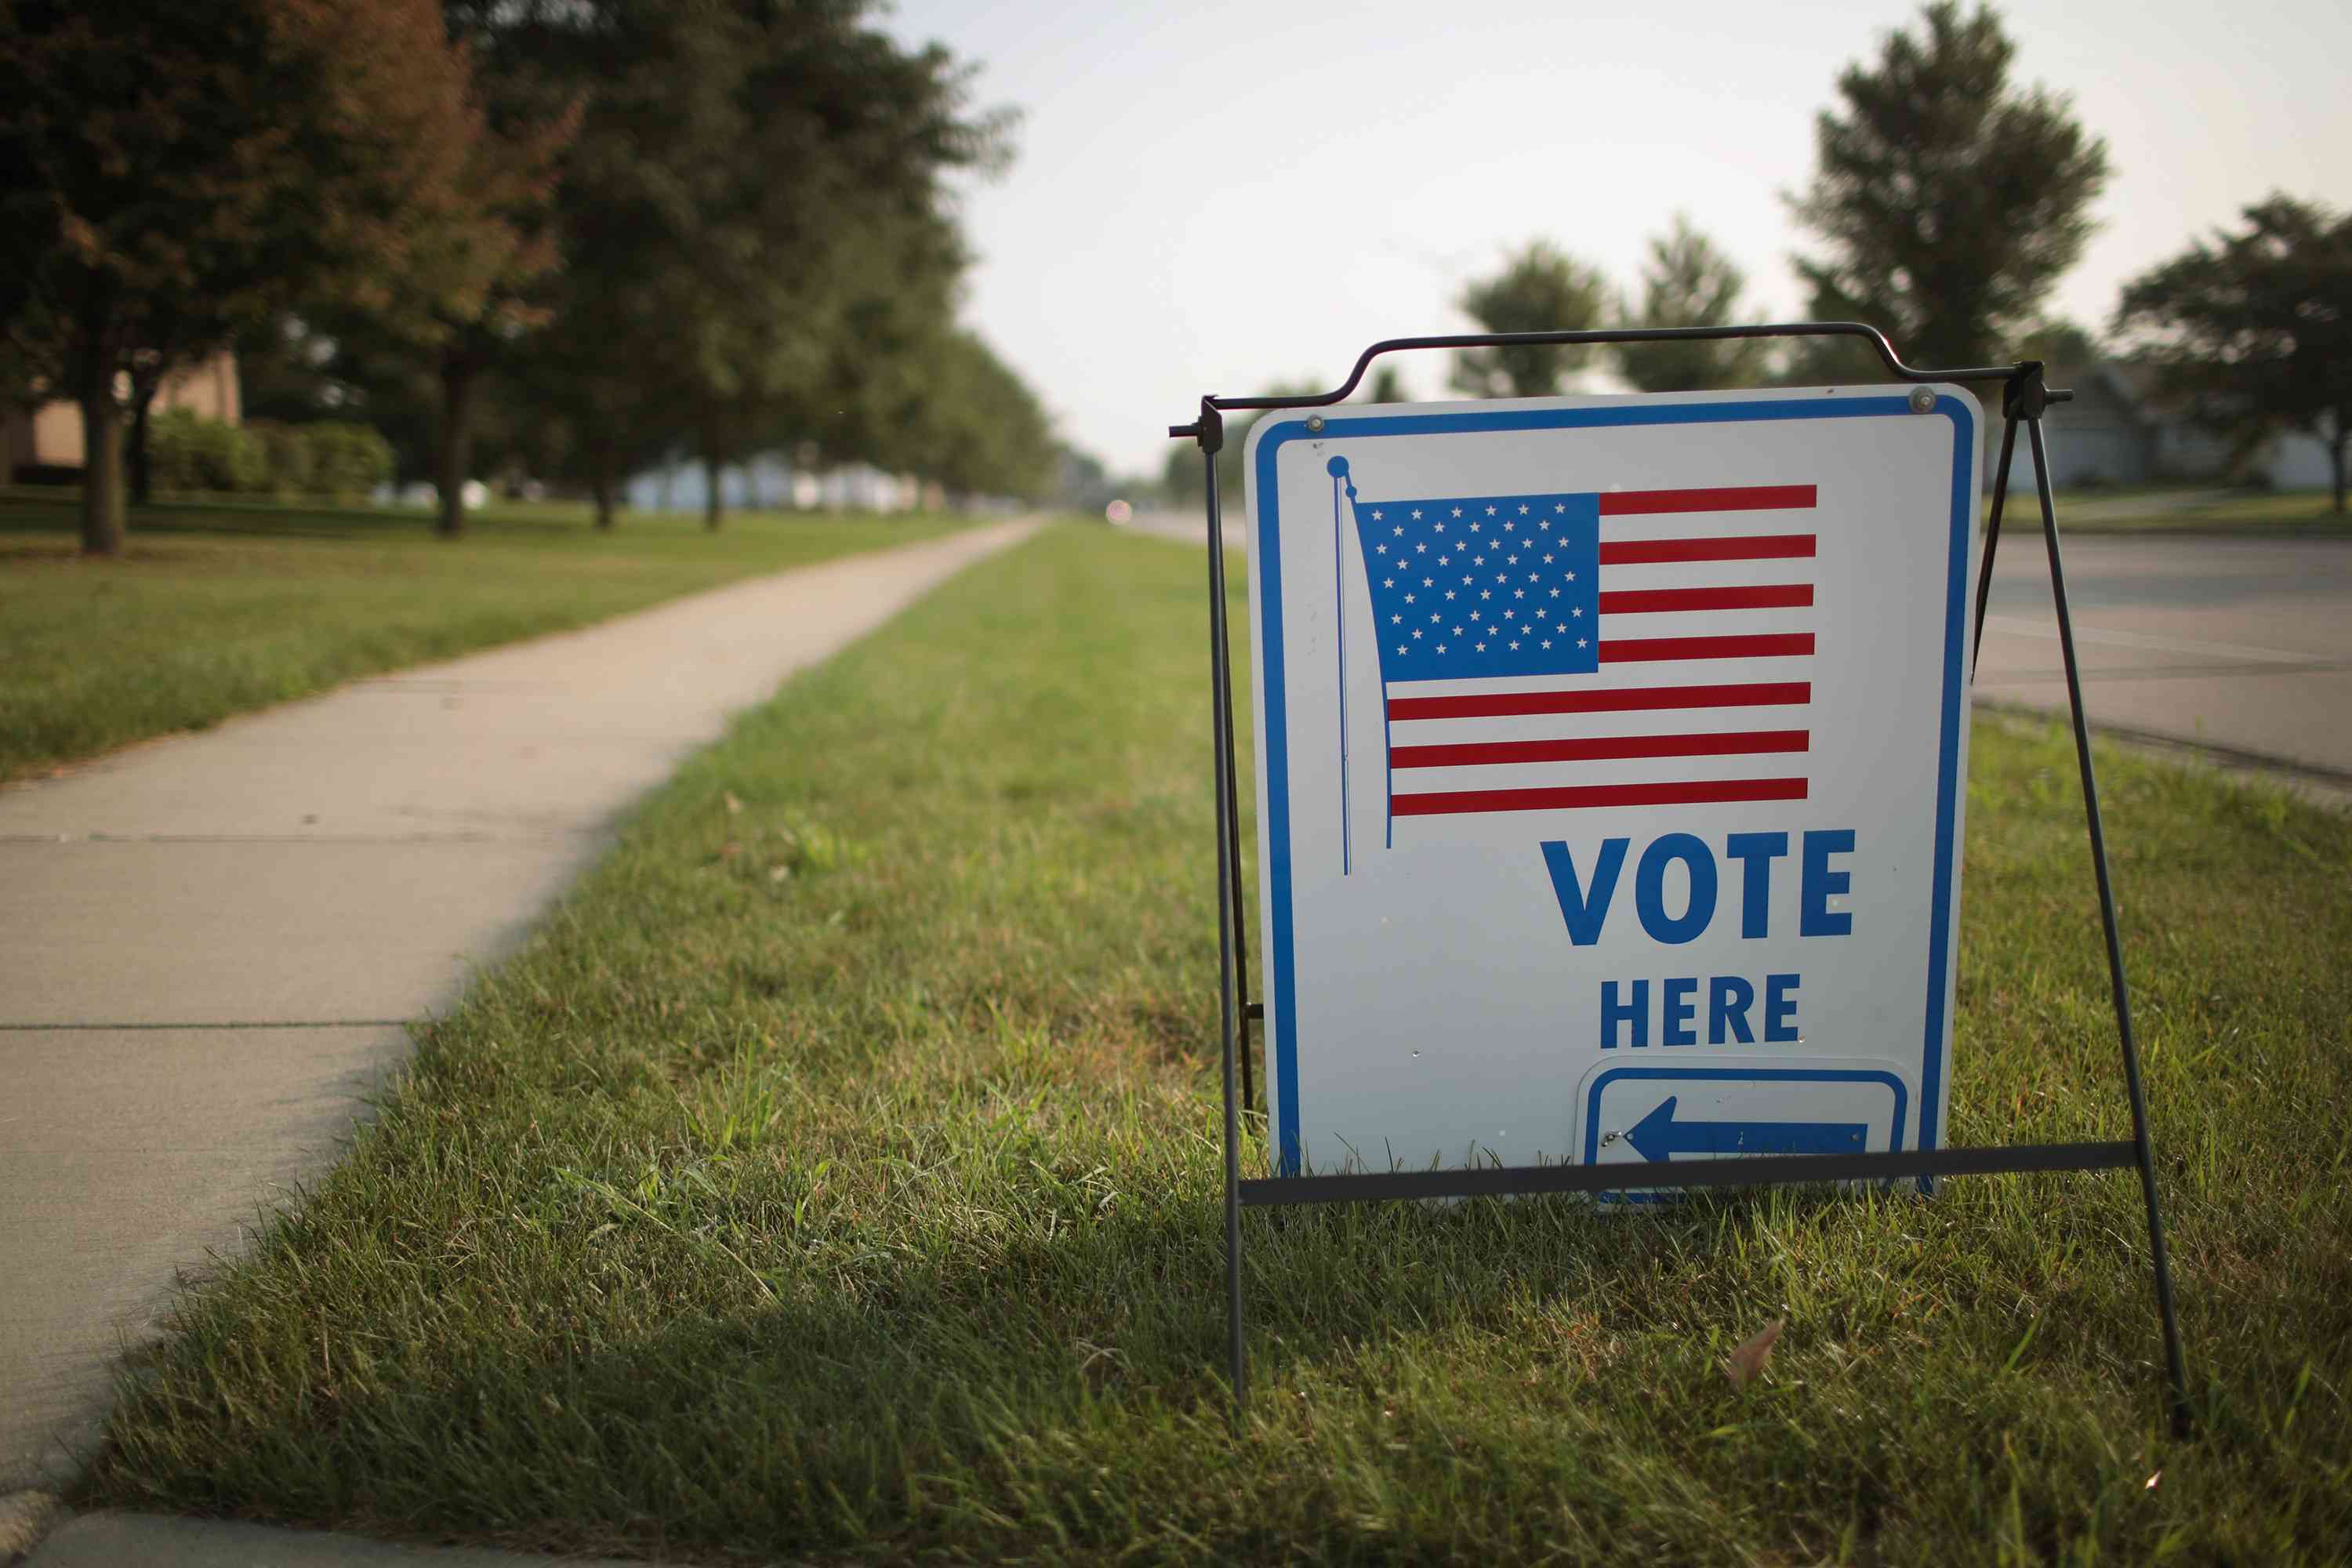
(2118, 430)
(44, 440)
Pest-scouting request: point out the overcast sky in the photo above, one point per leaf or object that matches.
(1211, 196)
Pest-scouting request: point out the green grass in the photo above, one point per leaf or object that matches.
(2150, 510)
(836, 1175)
(218, 608)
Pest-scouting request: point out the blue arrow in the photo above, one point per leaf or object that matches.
(1658, 1136)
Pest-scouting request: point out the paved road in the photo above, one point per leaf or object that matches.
(2244, 644)
(208, 944)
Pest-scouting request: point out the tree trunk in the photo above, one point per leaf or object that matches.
(461, 380)
(143, 488)
(713, 508)
(101, 474)
(601, 483)
(2336, 461)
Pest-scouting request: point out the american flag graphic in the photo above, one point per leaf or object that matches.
(1578, 650)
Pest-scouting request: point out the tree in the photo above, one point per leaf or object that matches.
(977, 429)
(172, 172)
(887, 380)
(656, 82)
(2254, 330)
(1387, 386)
(1688, 282)
(762, 249)
(1082, 483)
(1947, 203)
(1539, 289)
(490, 252)
(829, 251)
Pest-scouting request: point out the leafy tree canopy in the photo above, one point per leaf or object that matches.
(978, 429)
(1540, 288)
(763, 250)
(1946, 201)
(2253, 329)
(1688, 282)
(172, 170)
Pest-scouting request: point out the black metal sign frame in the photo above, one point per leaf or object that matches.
(2023, 398)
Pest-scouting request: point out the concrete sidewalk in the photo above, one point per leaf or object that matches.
(210, 946)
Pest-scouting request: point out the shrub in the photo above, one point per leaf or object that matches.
(287, 456)
(330, 458)
(347, 459)
(186, 453)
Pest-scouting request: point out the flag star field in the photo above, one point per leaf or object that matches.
(1485, 586)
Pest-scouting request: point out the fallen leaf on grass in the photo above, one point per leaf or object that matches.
(1745, 1362)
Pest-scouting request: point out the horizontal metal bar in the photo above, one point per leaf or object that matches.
(1872, 335)
(1744, 1171)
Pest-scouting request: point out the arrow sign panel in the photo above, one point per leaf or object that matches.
(1658, 1136)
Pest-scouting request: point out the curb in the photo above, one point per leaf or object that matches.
(110, 1540)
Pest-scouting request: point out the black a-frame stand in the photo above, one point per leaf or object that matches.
(2024, 396)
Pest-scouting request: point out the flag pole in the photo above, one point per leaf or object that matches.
(1337, 469)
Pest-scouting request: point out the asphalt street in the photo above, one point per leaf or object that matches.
(2240, 644)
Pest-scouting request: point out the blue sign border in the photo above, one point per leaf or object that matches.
(1265, 560)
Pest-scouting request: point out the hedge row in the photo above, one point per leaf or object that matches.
(327, 459)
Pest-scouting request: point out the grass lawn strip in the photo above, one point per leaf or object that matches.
(2289, 514)
(218, 608)
(836, 1175)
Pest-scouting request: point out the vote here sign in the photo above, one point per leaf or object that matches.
(1611, 756)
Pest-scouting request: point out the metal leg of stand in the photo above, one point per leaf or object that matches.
(1241, 895)
(1992, 539)
(2144, 1151)
(1228, 1010)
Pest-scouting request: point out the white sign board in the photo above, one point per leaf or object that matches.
(1611, 759)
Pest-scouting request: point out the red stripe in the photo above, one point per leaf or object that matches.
(1604, 749)
(1572, 797)
(1750, 547)
(1653, 601)
(1735, 497)
(1643, 650)
(1631, 700)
